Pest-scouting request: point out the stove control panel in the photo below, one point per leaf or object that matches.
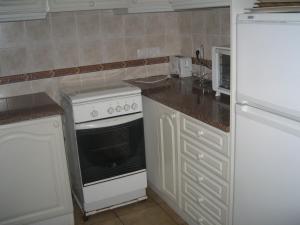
(106, 108)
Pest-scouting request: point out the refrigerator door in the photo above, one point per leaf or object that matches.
(267, 163)
(268, 66)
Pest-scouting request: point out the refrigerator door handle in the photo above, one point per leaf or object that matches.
(270, 119)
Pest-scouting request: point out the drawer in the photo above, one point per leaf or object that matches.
(202, 156)
(196, 215)
(211, 137)
(215, 187)
(204, 203)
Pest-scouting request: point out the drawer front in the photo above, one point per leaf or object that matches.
(203, 156)
(213, 186)
(204, 203)
(198, 216)
(211, 137)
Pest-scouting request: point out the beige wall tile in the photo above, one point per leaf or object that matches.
(13, 61)
(134, 24)
(88, 25)
(113, 50)
(213, 22)
(185, 22)
(136, 72)
(158, 69)
(111, 25)
(90, 52)
(199, 21)
(12, 34)
(15, 89)
(112, 76)
(63, 25)
(186, 45)
(154, 23)
(66, 54)
(225, 21)
(132, 44)
(38, 30)
(93, 79)
(40, 56)
(155, 41)
(171, 22)
(172, 44)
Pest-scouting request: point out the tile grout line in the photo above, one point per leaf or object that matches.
(119, 218)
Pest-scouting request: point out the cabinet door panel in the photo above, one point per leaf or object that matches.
(13, 10)
(190, 4)
(72, 5)
(34, 182)
(168, 151)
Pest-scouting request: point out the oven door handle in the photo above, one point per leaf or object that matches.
(108, 122)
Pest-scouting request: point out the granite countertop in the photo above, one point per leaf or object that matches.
(184, 95)
(27, 107)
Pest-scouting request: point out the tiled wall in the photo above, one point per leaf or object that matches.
(72, 39)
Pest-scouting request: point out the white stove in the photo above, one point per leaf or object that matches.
(105, 141)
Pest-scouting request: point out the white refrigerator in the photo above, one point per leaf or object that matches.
(267, 146)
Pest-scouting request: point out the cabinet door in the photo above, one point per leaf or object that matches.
(168, 151)
(139, 6)
(151, 121)
(190, 4)
(14, 10)
(72, 5)
(34, 180)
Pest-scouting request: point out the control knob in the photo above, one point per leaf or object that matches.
(118, 108)
(110, 110)
(126, 107)
(94, 113)
(134, 106)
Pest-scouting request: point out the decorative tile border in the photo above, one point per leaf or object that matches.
(90, 68)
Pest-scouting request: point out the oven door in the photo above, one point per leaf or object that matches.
(111, 147)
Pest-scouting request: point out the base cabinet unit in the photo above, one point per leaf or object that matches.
(73, 5)
(14, 10)
(192, 4)
(188, 164)
(34, 185)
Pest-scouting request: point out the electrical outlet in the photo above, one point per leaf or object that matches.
(201, 51)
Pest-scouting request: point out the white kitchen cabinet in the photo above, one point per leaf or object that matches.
(188, 164)
(192, 4)
(140, 6)
(14, 10)
(73, 5)
(34, 185)
(161, 138)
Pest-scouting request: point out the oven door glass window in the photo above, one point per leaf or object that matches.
(111, 151)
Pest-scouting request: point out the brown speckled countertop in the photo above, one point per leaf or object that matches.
(184, 96)
(27, 107)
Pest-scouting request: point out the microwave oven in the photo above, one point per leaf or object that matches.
(221, 70)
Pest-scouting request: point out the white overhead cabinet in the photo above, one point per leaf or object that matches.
(14, 10)
(34, 186)
(193, 4)
(73, 5)
(140, 6)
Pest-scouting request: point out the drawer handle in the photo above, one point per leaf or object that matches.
(200, 200)
(200, 179)
(200, 133)
(200, 220)
(200, 156)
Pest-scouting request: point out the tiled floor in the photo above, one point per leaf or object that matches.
(152, 211)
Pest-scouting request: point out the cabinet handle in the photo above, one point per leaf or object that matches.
(200, 133)
(200, 179)
(91, 3)
(200, 220)
(200, 156)
(200, 200)
(55, 124)
(173, 116)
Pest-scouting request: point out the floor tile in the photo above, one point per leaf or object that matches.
(103, 218)
(153, 215)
